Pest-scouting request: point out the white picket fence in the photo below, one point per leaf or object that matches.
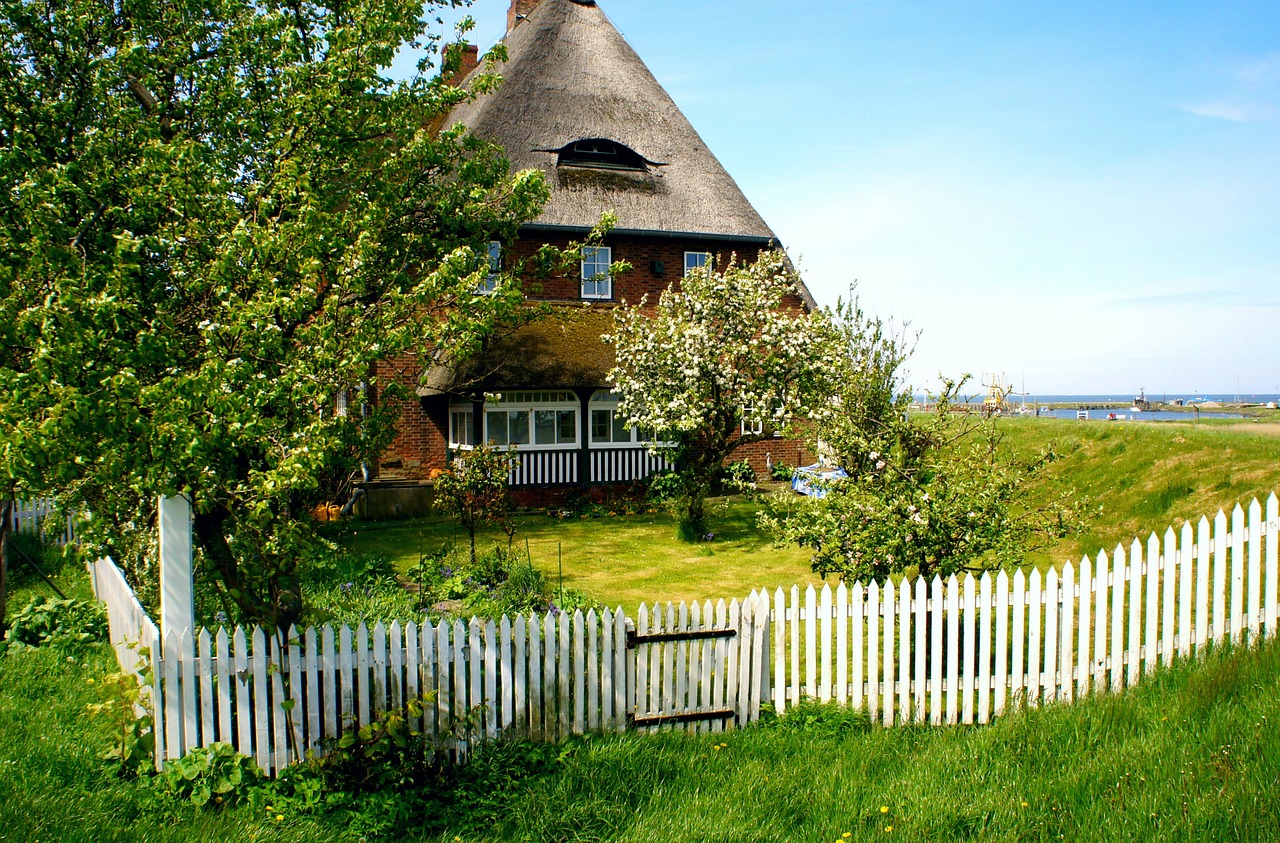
(963, 652)
(275, 698)
(29, 516)
(922, 651)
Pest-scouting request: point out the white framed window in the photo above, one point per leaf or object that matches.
(462, 429)
(340, 404)
(609, 428)
(491, 280)
(596, 283)
(533, 419)
(752, 422)
(696, 261)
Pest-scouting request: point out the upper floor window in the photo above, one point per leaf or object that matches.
(695, 261)
(601, 153)
(596, 283)
(490, 282)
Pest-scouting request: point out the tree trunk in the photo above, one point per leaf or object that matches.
(209, 528)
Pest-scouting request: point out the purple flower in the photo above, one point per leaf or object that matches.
(220, 617)
(346, 587)
(446, 571)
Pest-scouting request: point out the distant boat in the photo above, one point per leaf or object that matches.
(1140, 402)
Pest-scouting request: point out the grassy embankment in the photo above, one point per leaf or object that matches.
(1139, 477)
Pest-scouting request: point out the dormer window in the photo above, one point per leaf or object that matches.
(601, 153)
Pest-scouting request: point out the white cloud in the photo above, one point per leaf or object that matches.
(1233, 111)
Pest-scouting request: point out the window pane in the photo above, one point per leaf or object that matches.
(518, 426)
(600, 425)
(496, 427)
(567, 420)
(621, 433)
(544, 427)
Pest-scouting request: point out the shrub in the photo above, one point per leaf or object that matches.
(62, 623)
(214, 775)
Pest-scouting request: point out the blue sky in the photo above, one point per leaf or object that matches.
(1084, 197)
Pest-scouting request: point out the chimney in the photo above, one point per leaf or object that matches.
(470, 58)
(519, 8)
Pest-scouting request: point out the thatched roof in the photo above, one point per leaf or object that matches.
(561, 350)
(571, 76)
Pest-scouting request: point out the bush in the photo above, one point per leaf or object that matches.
(214, 775)
(62, 623)
(780, 471)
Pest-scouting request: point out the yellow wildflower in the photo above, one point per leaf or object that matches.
(884, 809)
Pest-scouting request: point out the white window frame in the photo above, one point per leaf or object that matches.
(752, 422)
(490, 284)
(530, 403)
(463, 442)
(697, 261)
(593, 257)
(605, 401)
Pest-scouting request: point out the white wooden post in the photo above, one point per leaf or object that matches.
(177, 599)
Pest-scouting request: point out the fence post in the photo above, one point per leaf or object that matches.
(177, 598)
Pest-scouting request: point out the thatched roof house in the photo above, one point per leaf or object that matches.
(577, 103)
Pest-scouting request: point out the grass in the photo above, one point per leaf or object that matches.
(1190, 754)
(620, 560)
(1159, 763)
(1144, 477)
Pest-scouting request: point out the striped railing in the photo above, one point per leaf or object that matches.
(624, 465)
(544, 468)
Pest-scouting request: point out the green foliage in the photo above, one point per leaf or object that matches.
(720, 351)
(815, 717)
(780, 471)
(213, 776)
(475, 490)
(125, 703)
(500, 582)
(739, 475)
(67, 625)
(214, 220)
(930, 493)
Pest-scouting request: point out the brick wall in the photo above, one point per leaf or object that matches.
(641, 252)
(422, 431)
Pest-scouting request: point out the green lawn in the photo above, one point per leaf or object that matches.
(619, 560)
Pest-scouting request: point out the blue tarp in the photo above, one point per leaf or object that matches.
(802, 479)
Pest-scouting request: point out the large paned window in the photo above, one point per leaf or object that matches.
(535, 419)
(609, 428)
(596, 283)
